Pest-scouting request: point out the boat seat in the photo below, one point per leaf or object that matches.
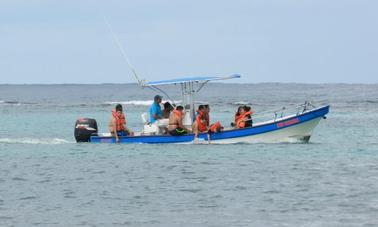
(150, 129)
(153, 129)
(145, 119)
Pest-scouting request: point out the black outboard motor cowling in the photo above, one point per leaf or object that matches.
(84, 129)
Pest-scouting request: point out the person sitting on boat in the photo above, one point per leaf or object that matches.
(206, 113)
(155, 110)
(202, 122)
(175, 126)
(117, 124)
(156, 116)
(168, 108)
(248, 116)
(216, 127)
(243, 117)
(237, 116)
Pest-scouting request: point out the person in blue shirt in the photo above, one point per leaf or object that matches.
(155, 109)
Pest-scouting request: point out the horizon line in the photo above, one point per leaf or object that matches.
(134, 83)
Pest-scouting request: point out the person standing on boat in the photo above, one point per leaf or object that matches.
(175, 126)
(117, 124)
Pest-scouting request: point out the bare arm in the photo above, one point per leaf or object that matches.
(157, 117)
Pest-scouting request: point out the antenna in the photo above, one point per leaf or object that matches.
(122, 49)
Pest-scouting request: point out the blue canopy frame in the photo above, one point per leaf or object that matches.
(189, 87)
(203, 79)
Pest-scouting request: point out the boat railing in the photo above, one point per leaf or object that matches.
(292, 109)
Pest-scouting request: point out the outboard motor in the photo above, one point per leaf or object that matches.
(84, 129)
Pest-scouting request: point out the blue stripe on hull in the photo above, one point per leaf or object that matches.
(228, 134)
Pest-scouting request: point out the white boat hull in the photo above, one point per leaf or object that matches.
(296, 133)
(293, 128)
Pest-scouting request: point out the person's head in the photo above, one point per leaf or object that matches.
(207, 108)
(201, 107)
(179, 108)
(168, 106)
(241, 110)
(247, 108)
(119, 109)
(157, 99)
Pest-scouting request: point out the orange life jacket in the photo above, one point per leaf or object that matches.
(216, 127)
(120, 121)
(178, 113)
(239, 119)
(202, 126)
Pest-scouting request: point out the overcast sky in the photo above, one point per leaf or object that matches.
(317, 41)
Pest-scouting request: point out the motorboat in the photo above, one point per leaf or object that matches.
(295, 127)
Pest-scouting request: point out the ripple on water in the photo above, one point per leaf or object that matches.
(68, 194)
(5, 218)
(19, 179)
(28, 198)
(192, 190)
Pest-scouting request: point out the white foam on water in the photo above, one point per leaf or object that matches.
(242, 103)
(199, 102)
(136, 102)
(15, 103)
(133, 102)
(34, 141)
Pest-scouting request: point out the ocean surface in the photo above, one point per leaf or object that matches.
(46, 179)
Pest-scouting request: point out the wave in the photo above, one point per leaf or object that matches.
(372, 101)
(46, 141)
(108, 103)
(240, 103)
(137, 102)
(16, 103)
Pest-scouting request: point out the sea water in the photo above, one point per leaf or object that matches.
(46, 179)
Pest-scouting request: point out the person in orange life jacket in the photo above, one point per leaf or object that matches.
(237, 115)
(216, 127)
(202, 122)
(243, 117)
(117, 124)
(175, 127)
